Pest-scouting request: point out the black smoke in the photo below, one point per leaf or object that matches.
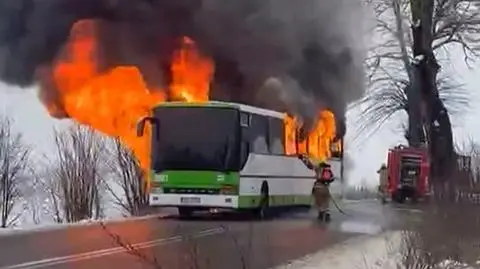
(298, 56)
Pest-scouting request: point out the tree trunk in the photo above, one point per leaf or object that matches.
(437, 119)
(415, 134)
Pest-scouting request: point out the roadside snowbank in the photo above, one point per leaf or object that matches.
(87, 222)
(450, 264)
(363, 252)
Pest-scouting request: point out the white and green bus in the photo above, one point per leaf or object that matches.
(219, 155)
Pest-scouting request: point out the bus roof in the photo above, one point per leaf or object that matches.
(241, 107)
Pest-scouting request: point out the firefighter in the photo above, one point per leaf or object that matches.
(321, 190)
(383, 183)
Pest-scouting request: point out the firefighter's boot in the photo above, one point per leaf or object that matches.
(320, 215)
(324, 215)
(327, 216)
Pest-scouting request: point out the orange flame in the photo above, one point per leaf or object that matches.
(113, 101)
(318, 144)
(191, 74)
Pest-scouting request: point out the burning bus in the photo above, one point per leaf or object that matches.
(210, 155)
(201, 154)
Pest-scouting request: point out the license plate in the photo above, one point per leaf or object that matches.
(190, 200)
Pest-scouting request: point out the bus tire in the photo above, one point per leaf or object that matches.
(185, 212)
(262, 211)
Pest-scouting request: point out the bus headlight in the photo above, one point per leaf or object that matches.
(228, 190)
(156, 187)
(157, 190)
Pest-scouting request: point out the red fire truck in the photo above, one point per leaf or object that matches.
(408, 171)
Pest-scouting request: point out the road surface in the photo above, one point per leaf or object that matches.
(227, 241)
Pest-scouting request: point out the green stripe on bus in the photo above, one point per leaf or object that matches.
(252, 201)
(195, 179)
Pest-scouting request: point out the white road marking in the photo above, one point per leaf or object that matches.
(411, 210)
(109, 251)
(361, 227)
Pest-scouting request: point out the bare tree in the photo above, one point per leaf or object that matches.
(53, 192)
(468, 163)
(391, 62)
(437, 24)
(75, 184)
(129, 176)
(14, 157)
(32, 192)
(406, 69)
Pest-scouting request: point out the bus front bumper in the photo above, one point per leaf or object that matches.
(194, 200)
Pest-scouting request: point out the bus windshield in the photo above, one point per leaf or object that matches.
(196, 138)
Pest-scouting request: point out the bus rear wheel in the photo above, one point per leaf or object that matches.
(262, 211)
(185, 212)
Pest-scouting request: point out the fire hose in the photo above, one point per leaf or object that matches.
(336, 205)
(310, 165)
(335, 202)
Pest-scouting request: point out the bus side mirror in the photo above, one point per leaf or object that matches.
(141, 126)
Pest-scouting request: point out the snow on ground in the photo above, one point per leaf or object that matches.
(381, 251)
(363, 252)
(57, 226)
(449, 264)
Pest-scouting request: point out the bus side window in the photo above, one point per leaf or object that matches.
(245, 119)
(276, 134)
(245, 137)
(259, 135)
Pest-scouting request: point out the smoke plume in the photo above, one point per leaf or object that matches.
(298, 56)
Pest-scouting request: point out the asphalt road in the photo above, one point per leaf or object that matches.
(226, 241)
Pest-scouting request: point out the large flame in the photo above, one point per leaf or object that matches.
(113, 101)
(320, 142)
(191, 74)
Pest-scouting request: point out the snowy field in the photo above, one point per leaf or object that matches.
(383, 251)
(363, 252)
